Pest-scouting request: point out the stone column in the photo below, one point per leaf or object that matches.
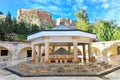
(104, 53)
(90, 55)
(39, 52)
(84, 53)
(69, 47)
(33, 52)
(75, 50)
(53, 48)
(46, 40)
(15, 52)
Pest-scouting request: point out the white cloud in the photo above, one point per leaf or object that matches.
(42, 1)
(79, 1)
(113, 12)
(57, 2)
(97, 7)
(95, 1)
(98, 1)
(105, 6)
(54, 8)
(84, 7)
(107, 9)
(79, 5)
(75, 7)
(69, 2)
(47, 2)
(103, 0)
(50, 8)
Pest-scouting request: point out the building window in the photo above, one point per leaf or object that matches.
(4, 52)
(29, 53)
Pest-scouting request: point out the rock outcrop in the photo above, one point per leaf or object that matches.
(34, 16)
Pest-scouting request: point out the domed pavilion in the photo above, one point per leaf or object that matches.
(61, 39)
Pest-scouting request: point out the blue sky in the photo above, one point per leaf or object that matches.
(106, 9)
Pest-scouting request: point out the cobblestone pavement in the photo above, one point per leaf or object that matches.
(6, 75)
(114, 75)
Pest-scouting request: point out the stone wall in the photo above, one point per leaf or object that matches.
(14, 48)
(65, 21)
(106, 48)
(34, 16)
(17, 49)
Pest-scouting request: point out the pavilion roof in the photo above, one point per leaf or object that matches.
(61, 51)
(62, 27)
(61, 30)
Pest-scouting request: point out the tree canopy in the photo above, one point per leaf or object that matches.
(83, 21)
(11, 28)
(1, 13)
(104, 29)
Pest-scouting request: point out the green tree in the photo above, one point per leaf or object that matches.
(83, 21)
(1, 13)
(32, 28)
(45, 25)
(105, 30)
(8, 27)
(22, 28)
(8, 23)
(14, 25)
(117, 33)
(2, 30)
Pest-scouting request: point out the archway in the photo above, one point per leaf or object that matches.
(96, 52)
(112, 51)
(25, 53)
(5, 53)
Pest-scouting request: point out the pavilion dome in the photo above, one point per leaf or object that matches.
(62, 27)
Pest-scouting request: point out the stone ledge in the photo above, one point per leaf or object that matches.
(98, 74)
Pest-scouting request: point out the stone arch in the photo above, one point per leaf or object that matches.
(112, 45)
(112, 49)
(96, 51)
(23, 52)
(9, 52)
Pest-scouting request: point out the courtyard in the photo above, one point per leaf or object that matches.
(51, 54)
(6, 75)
